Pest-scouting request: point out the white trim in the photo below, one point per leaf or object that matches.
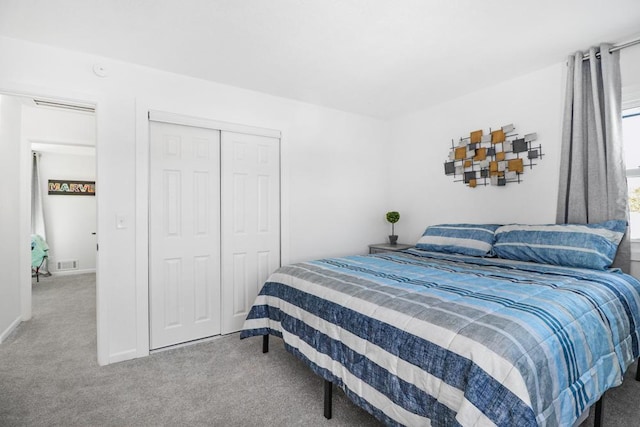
(178, 119)
(630, 97)
(68, 143)
(635, 250)
(122, 356)
(144, 114)
(102, 228)
(142, 228)
(73, 272)
(285, 241)
(25, 172)
(190, 343)
(17, 88)
(10, 329)
(76, 150)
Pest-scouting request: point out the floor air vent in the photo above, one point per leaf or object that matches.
(71, 264)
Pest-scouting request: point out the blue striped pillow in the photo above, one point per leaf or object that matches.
(465, 239)
(571, 245)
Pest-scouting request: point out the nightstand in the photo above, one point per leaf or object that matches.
(386, 247)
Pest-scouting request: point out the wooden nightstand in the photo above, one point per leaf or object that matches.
(386, 247)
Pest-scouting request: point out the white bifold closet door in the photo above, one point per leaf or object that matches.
(250, 221)
(214, 228)
(184, 234)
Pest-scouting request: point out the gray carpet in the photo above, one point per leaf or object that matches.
(49, 377)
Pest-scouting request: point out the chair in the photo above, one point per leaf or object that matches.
(39, 255)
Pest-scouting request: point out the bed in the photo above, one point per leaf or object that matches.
(450, 333)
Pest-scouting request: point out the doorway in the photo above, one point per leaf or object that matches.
(64, 136)
(62, 142)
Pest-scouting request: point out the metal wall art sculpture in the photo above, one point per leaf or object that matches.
(495, 158)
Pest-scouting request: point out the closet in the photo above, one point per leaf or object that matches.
(214, 224)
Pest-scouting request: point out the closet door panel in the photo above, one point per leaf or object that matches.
(250, 221)
(184, 234)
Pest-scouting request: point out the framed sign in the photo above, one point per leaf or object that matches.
(72, 188)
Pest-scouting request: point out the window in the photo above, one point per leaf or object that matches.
(631, 138)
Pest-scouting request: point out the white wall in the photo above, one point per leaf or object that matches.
(336, 166)
(334, 169)
(424, 195)
(533, 103)
(69, 220)
(43, 125)
(12, 268)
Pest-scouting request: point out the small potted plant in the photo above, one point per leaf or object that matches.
(393, 217)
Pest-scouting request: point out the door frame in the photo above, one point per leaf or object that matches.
(26, 300)
(144, 114)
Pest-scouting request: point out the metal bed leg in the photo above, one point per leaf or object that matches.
(328, 392)
(597, 421)
(265, 343)
(638, 370)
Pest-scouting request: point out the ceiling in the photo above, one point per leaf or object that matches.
(382, 58)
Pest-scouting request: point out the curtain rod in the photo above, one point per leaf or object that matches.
(615, 48)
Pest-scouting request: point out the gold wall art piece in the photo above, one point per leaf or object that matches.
(495, 158)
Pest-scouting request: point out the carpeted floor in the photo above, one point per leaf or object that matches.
(49, 377)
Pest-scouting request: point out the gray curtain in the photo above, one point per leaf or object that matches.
(37, 211)
(593, 184)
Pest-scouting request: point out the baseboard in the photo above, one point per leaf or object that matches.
(73, 272)
(188, 343)
(10, 329)
(122, 356)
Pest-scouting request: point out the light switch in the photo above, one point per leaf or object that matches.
(121, 221)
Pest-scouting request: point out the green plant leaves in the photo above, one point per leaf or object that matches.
(393, 217)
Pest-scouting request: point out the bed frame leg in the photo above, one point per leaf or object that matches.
(597, 421)
(328, 392)
(638, 370)
(265, 343)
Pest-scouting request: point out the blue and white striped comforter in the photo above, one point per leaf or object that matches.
(455, 339)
